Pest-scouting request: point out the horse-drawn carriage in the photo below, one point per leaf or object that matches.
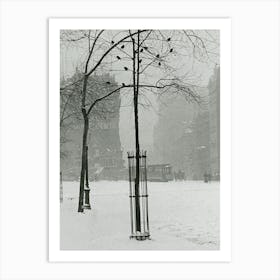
(159, 172)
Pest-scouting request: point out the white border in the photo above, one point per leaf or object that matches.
(222, 255)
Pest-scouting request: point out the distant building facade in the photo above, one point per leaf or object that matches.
(181, 137)
(106, 154)
(105, 159)
(201, 154)
(171, 132)
(214, 111)
(188, 136)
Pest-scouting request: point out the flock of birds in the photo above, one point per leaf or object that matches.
(140, 60)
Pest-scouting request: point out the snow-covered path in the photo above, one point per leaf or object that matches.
(183, 216)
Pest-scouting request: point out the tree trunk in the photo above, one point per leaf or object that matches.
(137, 145)
(83, 167)
(137, 177)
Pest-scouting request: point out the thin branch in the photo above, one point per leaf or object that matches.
(91, 50)
(103, 97)
(72, 84)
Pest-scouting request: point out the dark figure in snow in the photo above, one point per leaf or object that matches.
(183, 176)
(180, 175)
(205, 176)
(175, 176)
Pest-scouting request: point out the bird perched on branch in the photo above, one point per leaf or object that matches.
(159, 64)
(123, 84)
(112, 42)
(168, 39)
(157, 55)
(140, 60)
(118, 57)
(171, 50)
(122, 47)
(125, 68)
(108, 83)
(141, 50)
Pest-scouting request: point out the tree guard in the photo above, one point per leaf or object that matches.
(87, 188)
(138, 197)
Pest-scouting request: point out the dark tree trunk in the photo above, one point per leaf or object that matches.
(84, 146)
(137, 148)
(84, 158)
(137, 145)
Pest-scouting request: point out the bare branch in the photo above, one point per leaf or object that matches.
(91, 50)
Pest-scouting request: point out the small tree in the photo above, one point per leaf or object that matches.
(155, 53)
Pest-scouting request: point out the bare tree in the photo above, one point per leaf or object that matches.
(154, 49)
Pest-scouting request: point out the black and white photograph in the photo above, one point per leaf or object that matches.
(139, 139)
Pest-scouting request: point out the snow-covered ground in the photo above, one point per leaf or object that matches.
(183, 216)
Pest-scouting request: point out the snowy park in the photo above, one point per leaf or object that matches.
(184, 215)
(140, 139)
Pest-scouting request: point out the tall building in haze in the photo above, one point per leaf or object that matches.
(104, 147)
(214, 111)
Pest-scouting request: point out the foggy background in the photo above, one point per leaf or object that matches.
(72, 58)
